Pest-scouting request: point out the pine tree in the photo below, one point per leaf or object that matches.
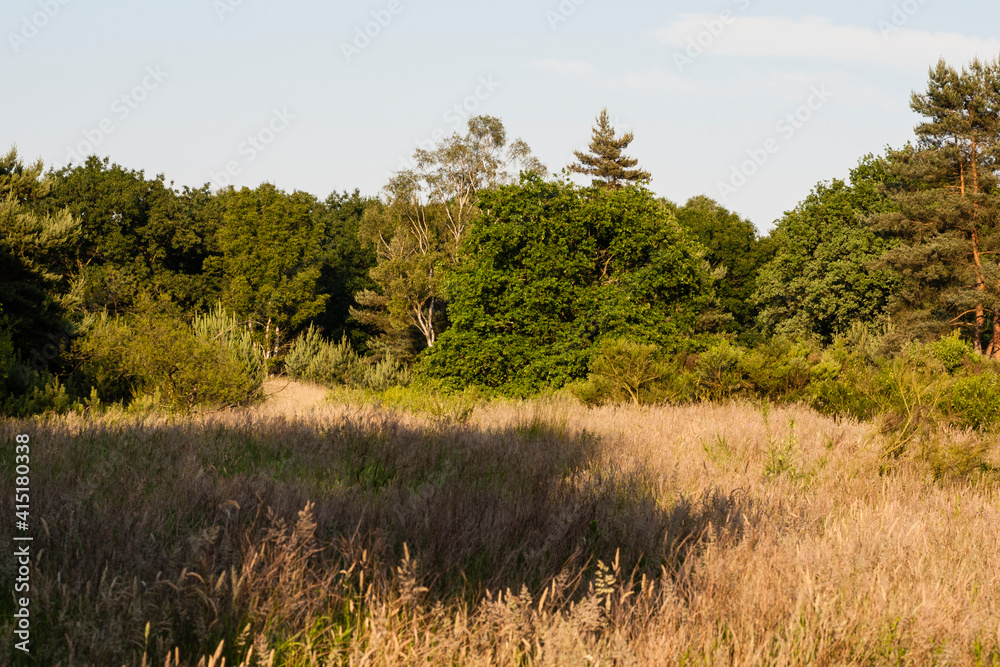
(605, 162)
(949, 199)
(37, 249)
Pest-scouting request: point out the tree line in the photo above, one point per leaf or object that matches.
(476, 267)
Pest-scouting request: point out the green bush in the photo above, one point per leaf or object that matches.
(39, 393)
(156, 354)
(841, 383)
(381, 375)
(302, 353)
(7, 360)
(719, 372)
(778, 369)
(975, 400)
(314, 359)
(952, 351)
(626, 370)
(219, 326)
(25, 391)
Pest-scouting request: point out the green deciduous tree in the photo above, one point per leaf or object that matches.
(606, 161)
(550, 269)
(139, 236)
(270, 243)
(345, 263)
(822, 279)
(733, 246)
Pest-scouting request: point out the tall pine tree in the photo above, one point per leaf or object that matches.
(949, 199)
(37, 249)
(606, 161)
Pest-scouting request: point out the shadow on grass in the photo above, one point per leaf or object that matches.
(198, 529)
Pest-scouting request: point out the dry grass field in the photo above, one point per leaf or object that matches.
(514, 533)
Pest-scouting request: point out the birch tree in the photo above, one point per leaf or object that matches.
(423, 219)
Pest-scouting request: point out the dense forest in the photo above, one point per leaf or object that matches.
(479, 269)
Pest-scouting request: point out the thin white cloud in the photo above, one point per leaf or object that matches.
(818, 37)
(651, 81)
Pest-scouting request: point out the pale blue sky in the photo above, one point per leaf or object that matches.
(201, 76)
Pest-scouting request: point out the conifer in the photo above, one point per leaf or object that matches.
(605, 161)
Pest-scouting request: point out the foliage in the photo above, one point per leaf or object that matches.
(419, 228)
(550, 269)
(222, 327)
(38, 242)
(382, 374)
(975, 400)
(314, 359)
(914, 393)
(7, 358)
(627, 368)
(948, 197)
(139, 237)
(733, 249)
(778, 369)
(270, 244)
(345, 263)
(25, 391)
(820, 282)
(952, 351)
(156, 354)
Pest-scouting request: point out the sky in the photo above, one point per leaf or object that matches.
(750, 102)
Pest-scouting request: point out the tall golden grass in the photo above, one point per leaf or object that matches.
(537, 532)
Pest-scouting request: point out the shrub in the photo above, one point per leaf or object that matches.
(951, 351)
(975, 400)
(302, 352)
(25, 391)
(381, 375)
(7, 360)
(314, 359)
(777, 369)
(719, 372)
(208, 364)
(221, 327)
(627, 369)
(44, 393)
(842, 383)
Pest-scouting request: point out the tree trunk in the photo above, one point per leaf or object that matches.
(981, 288)
(994, 349)
(976, 249)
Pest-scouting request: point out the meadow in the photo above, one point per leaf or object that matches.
(355, 528)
